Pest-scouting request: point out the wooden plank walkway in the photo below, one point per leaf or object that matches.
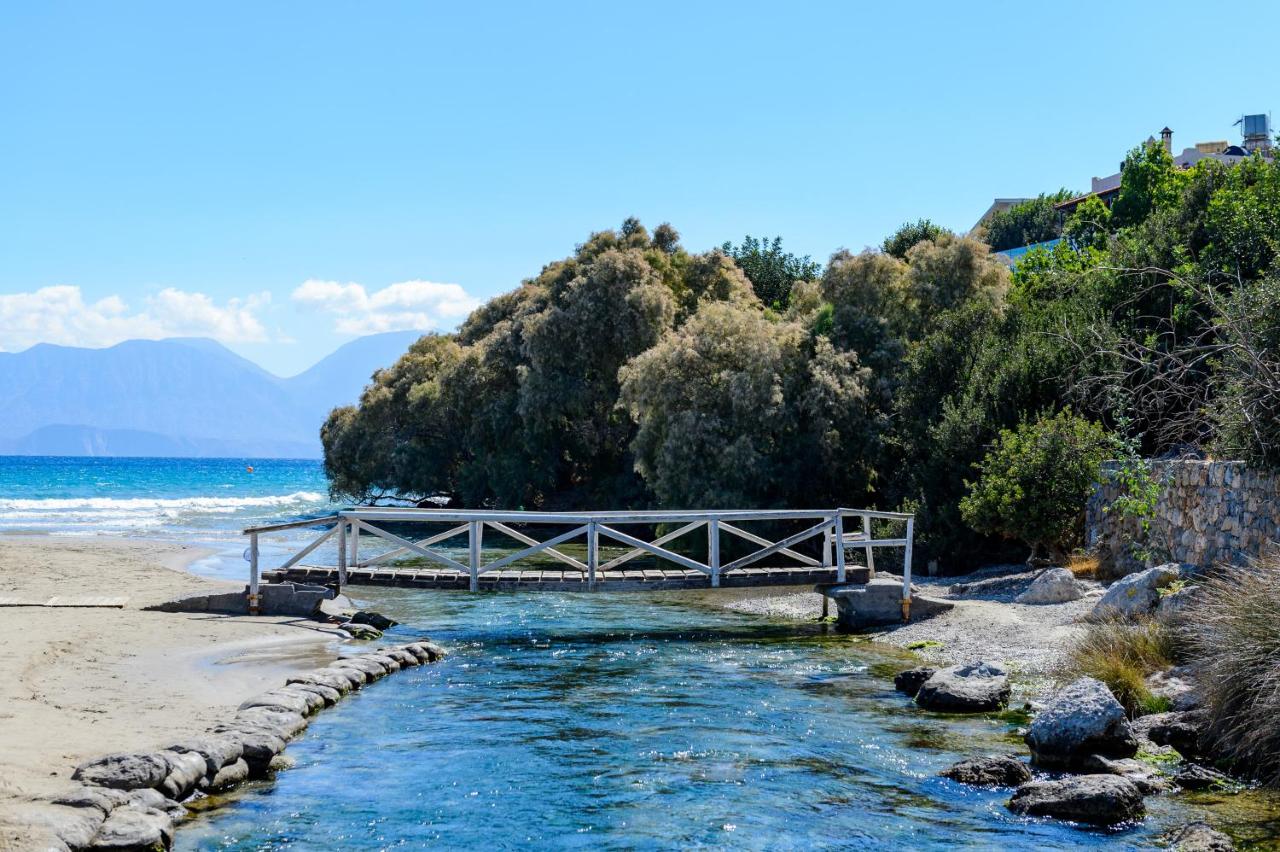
(555, 580)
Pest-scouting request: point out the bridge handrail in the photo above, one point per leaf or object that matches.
(347, 524)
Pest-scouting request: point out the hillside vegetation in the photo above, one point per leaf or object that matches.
(638, 373)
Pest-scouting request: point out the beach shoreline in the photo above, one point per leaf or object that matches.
(76, 683)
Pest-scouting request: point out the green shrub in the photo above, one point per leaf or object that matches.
(1122, 655)
(1233, 635)
(1035, 482)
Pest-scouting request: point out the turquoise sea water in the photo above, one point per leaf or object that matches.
(196, 501)
(623, 721)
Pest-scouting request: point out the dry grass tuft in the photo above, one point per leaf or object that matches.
(1233, 635)
(1122, 654)
(1083, 565)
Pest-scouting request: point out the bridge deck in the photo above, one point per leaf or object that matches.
(618, 580)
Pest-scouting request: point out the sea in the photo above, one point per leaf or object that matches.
(582, 721)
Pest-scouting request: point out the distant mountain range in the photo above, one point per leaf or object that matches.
(176, 397)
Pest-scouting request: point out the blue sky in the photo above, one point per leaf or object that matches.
(174, 168)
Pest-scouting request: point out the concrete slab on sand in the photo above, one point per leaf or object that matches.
(877, 603)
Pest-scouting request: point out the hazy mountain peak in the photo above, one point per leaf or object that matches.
(189, 394)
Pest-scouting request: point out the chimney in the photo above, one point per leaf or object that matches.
(1166, 139)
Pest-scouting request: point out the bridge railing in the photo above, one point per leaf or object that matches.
(838, 530)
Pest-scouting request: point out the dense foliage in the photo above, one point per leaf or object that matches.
(771, 271)
(1036, 220)
(1035, 480)
(637, 373)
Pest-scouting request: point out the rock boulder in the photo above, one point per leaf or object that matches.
(1080, 720)
(132, 827)
(376, 620)
(1136, 595)
(1200, 837)
(975, 687)
(123, 771)
(1181, 730)
(989, 772)
(911, 680)
(1054, 585)
(1093, 799)
(1193, 777)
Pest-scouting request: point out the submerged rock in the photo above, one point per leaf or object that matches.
(376, 620)
(1080, 720)
(1095, 799)
(1136, 595)
(1193, 777)
(1200, 837)
(989, 772)
(360, 631)
(1055, 585)
(911, 680)
(1149, 779)
(975, 687)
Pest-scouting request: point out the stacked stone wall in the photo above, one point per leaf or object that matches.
(1208, 512)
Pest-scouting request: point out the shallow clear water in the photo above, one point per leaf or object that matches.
(630, 721)
(602, 721)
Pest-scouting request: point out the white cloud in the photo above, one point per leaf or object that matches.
(405, 306)
(59, 314)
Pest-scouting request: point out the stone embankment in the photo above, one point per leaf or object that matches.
(1207, 512)
(135, 801)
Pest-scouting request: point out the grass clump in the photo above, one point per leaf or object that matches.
(1122, 655)
(1083, 565)
(1233, 635)
(924, 643)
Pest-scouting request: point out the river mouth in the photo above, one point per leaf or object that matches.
(636, 721)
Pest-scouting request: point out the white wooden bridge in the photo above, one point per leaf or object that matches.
(761, 561)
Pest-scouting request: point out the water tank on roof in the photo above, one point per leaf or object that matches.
(1256, 125)
(1256, 130)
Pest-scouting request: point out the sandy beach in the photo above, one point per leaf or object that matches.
(76, 683)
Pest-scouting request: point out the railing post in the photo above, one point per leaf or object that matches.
(342, 554)
(713, 550)
(253, 574)
(354, 561)
(593, 553)
(906, 570)
(871, 557)
(475, 534)
(838, 533)
(827, 559)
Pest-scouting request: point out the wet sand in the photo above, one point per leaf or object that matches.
(78, 683)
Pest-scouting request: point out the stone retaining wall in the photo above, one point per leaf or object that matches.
(1208, 512)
